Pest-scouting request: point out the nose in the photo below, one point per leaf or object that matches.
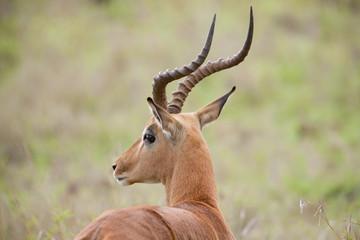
(114, 166)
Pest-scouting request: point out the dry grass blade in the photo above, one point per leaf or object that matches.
(348, 231)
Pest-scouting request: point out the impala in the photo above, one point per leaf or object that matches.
(172, 151)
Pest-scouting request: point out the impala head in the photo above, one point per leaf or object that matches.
(169, 135)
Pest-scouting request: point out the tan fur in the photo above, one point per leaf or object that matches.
(173, 151)
(182, 163)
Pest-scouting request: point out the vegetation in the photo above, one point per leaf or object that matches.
(74, 77)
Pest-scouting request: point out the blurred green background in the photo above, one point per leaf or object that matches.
(75, 75)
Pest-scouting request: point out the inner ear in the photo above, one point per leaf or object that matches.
(211, 112)
(154, 111)
(169, 125)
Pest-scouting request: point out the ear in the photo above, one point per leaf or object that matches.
(211, 112)
(169, 125)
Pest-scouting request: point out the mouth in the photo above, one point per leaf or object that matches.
(122, 181)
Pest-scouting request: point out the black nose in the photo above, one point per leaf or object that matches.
(114, 166)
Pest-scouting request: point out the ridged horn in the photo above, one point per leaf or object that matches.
(163, 78)
(185, 86)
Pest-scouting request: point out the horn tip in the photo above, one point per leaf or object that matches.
(149, 100)
(211, 31)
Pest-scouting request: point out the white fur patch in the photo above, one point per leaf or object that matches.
(167, 133)
(151, 181)
(123, 182)
(155, 117)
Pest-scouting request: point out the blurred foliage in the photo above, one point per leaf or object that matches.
(74, 76)
(9, 48)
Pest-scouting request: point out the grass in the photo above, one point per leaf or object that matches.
(350, 230)
(74, 78)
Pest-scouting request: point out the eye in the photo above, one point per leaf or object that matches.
(148, 138)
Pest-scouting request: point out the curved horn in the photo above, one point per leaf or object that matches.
(163, 78)
(185, 86)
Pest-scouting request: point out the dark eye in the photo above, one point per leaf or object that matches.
(148, 138)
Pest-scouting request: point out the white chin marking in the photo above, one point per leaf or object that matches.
(123, 182)
(151, 181)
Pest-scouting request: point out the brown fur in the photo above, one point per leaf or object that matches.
(173, 151)
(179, 158)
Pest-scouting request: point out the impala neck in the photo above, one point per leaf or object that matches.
(192, 178)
